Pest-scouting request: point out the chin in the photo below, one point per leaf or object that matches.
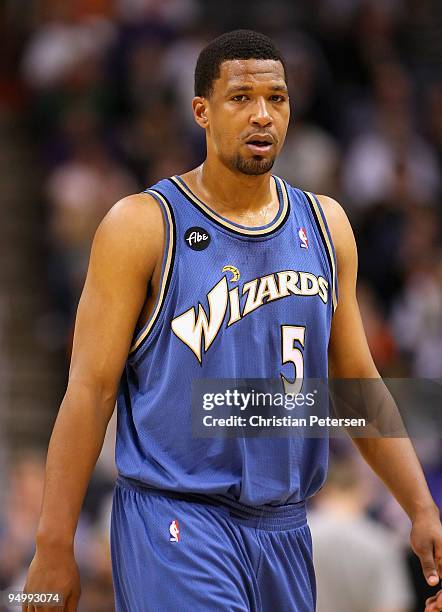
(254, 166)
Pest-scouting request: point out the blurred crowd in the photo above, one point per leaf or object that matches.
(105, 88)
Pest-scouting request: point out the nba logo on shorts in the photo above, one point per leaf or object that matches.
(174, 531)
(303, 237)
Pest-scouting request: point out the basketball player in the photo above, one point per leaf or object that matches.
(223, 272)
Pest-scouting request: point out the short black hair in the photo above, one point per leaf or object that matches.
(235, 45)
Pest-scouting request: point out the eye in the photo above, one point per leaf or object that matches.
(277, 98)
(239, 98)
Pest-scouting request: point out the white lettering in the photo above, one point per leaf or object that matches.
(196, 237)
(190, 329)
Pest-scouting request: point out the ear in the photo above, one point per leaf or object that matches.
(201, 111)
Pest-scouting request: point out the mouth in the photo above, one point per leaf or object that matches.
(259, 144)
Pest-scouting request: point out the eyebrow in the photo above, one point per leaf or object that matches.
(238, 88)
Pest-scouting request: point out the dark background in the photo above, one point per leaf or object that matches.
(95, 104)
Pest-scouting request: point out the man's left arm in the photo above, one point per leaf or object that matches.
(393, 459)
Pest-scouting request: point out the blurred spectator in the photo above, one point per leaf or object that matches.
(178, 13)
(80, 192)
(390, 148)
(359, 565)
(178, 72)
(19, 515)
(380, 232)
(417, 322)
(62, 43)
(432, 116)
(380, 340)
(310, 158)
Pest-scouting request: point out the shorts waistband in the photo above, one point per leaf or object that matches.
(286, 516)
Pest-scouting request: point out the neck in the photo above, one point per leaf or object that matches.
(232, 190)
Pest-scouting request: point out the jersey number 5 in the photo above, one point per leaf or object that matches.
(291, 335)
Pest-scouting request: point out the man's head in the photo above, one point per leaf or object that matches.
(241, 100)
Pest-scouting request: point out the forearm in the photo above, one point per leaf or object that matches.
(395, 462)
(75, 445)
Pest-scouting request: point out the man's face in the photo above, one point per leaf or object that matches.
(248, 114)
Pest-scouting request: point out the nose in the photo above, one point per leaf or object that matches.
(261, 116)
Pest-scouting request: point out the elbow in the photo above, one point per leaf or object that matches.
(98, 396)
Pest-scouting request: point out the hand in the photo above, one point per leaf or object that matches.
(54, 572)
(434, 604)
(426, 542)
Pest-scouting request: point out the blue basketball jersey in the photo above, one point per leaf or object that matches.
(234, 302)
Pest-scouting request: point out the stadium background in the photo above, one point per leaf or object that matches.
(95, 104)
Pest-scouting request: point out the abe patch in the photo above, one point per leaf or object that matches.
(197, 238)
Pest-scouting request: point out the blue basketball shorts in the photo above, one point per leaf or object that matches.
(170, 552)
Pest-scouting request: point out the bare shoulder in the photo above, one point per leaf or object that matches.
(339, 226)
(133, 228)
(138, 214)
(125, 252)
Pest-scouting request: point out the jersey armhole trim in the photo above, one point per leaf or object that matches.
(166, 269)
(321, 223)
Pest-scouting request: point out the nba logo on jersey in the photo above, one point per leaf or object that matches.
(303, 237)
(174, 531)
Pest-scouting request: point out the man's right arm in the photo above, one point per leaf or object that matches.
(127, 248)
